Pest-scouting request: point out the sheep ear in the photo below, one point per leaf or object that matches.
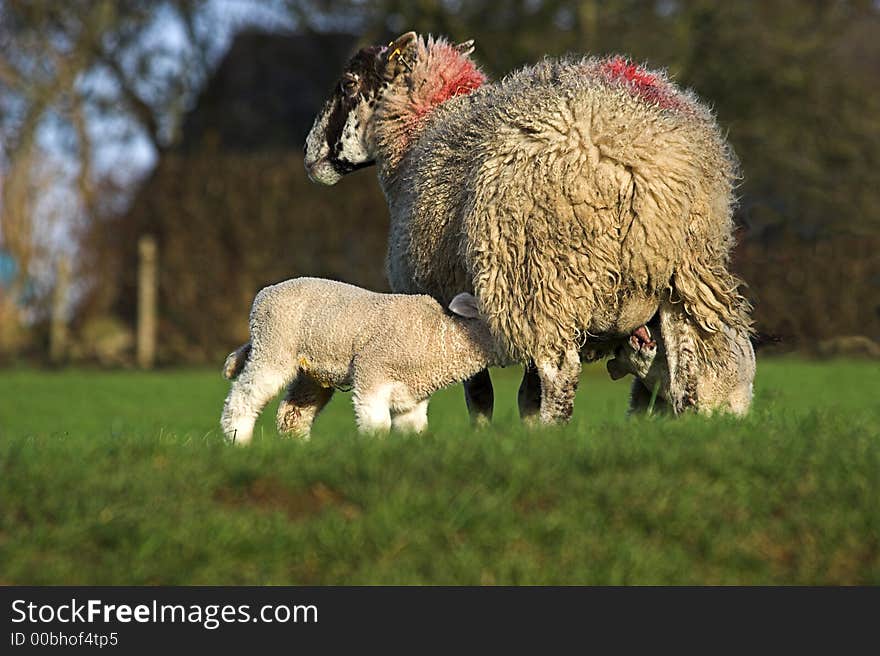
(465, 47)
(401, 53)
(465, 305)
(404, 41)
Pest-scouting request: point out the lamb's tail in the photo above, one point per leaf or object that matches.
(235, 361)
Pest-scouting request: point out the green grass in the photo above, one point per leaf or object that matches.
(122, 478)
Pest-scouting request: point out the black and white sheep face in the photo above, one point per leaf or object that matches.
(340, 139)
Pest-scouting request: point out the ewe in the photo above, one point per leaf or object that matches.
(573, 198)
(315, 335)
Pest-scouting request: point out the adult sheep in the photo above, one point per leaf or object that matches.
(573, 198)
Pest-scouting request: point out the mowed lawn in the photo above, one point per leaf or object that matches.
(123, 478)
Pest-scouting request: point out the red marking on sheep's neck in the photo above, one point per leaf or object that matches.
(454, 75)
(620, 68)
(440, 73)
(640, 83)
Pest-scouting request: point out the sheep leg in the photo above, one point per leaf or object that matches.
(249, 393)
(414, 420)
(559, 381)
(680, 338)
(372, 408)
(529, 395)
(305, 398)
(480, 397)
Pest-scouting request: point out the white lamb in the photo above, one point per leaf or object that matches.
(314, 335)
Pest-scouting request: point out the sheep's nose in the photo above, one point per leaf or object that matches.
(310, 169)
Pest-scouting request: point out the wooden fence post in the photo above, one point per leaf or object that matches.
(147, 296)
(58, 316)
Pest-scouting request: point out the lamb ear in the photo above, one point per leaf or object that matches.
(465, 305)
(465, 47)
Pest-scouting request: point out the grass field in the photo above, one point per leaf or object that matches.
(123, 478)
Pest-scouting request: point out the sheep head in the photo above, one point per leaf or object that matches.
(339, 141)
(398, 84)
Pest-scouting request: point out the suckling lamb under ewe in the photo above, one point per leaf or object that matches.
(722, 386)
(572, 198)
(314, 335)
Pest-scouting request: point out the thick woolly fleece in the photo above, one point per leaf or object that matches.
(315, 335)
(725, 386)
(574, 197)
(571, 197)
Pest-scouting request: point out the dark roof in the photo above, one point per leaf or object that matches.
(266, 91)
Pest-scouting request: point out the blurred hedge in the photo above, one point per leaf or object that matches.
(806, 290)
(228, 224)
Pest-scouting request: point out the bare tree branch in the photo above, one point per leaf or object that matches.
(143, 112)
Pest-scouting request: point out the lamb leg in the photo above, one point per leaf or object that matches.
(305, 398)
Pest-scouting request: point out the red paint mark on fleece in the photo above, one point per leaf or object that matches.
(453, 74)
(619, 67)
(640, 82)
